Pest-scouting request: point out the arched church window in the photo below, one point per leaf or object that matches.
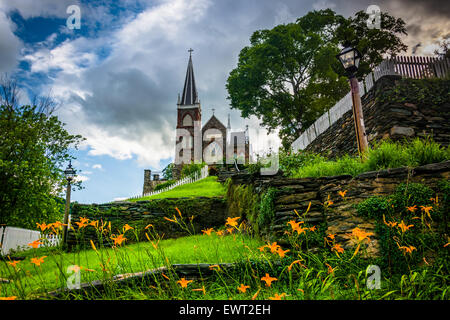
(187, 121)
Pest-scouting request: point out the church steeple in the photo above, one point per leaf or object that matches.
(189, 96)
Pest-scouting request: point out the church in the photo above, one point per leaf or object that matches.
(212, 142)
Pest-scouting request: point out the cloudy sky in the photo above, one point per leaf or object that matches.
(117, 77)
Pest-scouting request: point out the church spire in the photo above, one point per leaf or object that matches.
(189, 96)
(229, 123)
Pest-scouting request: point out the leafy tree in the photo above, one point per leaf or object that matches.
(289, 75)
(375, 44)
(168, 172)
(444, 49)
(33, 147)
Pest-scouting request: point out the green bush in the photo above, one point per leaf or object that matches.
(164, 185)
(373, 207)
(190, 169)
(322, 167)
(386, 155)
(266, 209)
(425, 151)
(410, 194)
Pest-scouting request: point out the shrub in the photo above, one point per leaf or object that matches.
(266, 209)
(386, 155)
(410, 194)
(373, 207)
(190, 169)
(322, 167)
(164, 185)
(425, 151)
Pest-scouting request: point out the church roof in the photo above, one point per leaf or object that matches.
(189, 96)
(213, 122)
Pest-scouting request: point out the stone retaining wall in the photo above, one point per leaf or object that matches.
(207, 212)
(392, 120)
(341, 216)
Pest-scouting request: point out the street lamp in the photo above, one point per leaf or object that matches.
(70, 174)
(350, 58)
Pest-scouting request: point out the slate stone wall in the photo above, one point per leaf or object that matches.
(394, 120)
(207, 212)
(341, 216)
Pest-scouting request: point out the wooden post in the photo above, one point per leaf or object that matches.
(358, 118)
(66, 215)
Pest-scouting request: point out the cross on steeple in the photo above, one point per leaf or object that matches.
(190, 51)
(213, 110)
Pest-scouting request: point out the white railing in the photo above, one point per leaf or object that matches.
(13, 238)
(407, 67)
(190, 179)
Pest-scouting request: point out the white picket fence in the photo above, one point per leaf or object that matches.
(407, 67)
(13, 238)
(190, 179)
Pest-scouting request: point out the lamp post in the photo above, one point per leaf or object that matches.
(69, 173)
(350, 57)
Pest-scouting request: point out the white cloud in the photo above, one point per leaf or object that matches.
(9, 44)
(81, 178)
(97, 166)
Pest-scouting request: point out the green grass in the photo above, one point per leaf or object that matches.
(207, 187)
(126, 259)
(385, 155)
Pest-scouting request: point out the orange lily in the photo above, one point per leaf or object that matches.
(273, 247)
(256, 294)
(93, 245)
(268, 279)
(127, 227)
(243, 288)
(119, 239)
(200, 289)
(330, 269)
(8, 298)
(262, 248)
(282, 253)
(214, 267)
(38, 261)
(342, 193)
(35, 244)
(390, 224)
(13, 263)
(406, 249)
(404, 227)
(292, 264)
(338, 249)
(42, 226)
(361, 235)
(174, 221)
(426, 210)
(165, 276)
(208, 231)
(277, 297)
(232, 222)
(183, 282)
(412, 209)
(179, 212)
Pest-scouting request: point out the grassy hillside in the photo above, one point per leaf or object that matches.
(208, 187)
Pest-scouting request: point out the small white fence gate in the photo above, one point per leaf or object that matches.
(12, 238)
